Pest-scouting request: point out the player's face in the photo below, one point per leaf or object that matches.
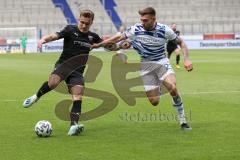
(84, 24)
(148, 21)
(174, 27)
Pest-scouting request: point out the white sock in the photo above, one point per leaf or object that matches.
(177, 103)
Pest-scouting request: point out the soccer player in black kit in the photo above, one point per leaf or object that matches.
(70, 66)
(173, 47)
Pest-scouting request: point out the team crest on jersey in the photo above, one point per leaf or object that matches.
(75, 34)
(90, 38)
(155, 34)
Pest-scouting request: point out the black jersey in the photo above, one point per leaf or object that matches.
(177, 33)
(171, 45)
(76, 42)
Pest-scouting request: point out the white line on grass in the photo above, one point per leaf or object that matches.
(183, 93)
(210, 92)
(215, 61)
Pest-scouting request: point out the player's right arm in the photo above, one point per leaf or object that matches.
(170, 35)
(47, 38)
(64, 33)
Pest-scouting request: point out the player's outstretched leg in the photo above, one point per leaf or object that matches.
(47, 86)
(30, 100)
(34, 98)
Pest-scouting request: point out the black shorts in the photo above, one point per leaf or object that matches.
(71, 77)
(171, 48)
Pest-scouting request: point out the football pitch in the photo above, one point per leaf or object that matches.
(211, 95)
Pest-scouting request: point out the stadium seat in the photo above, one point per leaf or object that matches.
(193, 16)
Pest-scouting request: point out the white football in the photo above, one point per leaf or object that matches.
(43, 128)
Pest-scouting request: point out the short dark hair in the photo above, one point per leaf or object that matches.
(87, 13)
(148, 10)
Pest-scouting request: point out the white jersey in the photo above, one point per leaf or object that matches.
(150, 44)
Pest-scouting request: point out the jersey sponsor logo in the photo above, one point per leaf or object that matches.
(90, 38)
(75, 34)
(144, 39)
(84, 44)
(153, 34)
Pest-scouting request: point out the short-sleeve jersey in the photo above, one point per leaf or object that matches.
(23, 40)
(150, 44)
(76, 42)
(172, 45)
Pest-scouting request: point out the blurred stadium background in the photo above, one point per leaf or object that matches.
(196, 19)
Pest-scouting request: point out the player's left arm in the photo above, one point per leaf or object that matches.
(99, 42)
(187, 63)
(111, 43)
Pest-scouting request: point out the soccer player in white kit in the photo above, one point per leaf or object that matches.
(148, 38)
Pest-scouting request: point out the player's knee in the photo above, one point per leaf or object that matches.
(54, 81)
(154, 101)
(173, 90)
(177, 52)
(77, 97)
(174, 87)
(52, 84)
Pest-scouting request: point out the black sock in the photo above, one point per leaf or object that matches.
(177, 100)
(177, 59)
(168, 55)
(43, 89)
(75, 112)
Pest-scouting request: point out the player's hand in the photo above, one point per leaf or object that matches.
(188, 65)
(40, 43)
(108, 46)
(125, 45)
(111, 47)
(95, 45)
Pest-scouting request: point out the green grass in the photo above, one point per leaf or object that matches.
(210, 93)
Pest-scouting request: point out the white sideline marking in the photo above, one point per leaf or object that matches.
(217, 61)
(183, 93)
(210, 92)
